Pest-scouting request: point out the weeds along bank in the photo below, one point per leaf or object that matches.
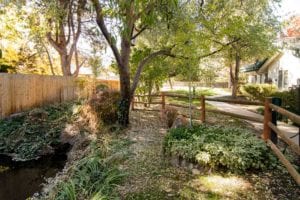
(81, 124)
(32, 134)
(92, 171)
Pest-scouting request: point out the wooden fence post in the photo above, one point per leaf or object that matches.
(267, 118)
(202, 100)
(163, 101)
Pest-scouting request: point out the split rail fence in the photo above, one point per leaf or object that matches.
(270, 130)
(21, 92)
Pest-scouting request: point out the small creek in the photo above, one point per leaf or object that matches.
(20, 180)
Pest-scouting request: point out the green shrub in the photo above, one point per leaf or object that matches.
(258, 91)
(261, 91)
(219, 147)
(289, 100)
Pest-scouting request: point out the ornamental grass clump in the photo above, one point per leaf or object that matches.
(95, 176)
(234, 149)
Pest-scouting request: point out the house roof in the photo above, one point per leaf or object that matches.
(269, 62)
(254, 67)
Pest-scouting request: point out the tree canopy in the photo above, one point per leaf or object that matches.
(150, 41)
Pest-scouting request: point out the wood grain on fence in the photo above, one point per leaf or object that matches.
(20, 92)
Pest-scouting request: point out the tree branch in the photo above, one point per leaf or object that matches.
(139, 32)
(148, 8)
(220, 49)
(166, 52)
(106, 34)
(54, 44)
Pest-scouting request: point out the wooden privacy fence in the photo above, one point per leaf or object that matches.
(20, 92)
(270, 130)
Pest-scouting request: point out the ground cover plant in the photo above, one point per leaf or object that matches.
(35, 133)
(220, 147)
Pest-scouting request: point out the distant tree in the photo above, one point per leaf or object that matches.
(64, 26)
(20, 49)
(251, 24)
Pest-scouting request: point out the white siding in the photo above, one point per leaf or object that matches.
(292, 64)
(287, 62)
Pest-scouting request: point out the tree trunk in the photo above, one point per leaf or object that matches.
(170, 83)
(235, 78)
(123, 111)
(126, 96)
(65, 64)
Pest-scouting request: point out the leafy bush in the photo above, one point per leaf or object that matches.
(215, 146)
(289, 100)
(258, 91)
(261, 91)
(105, 105)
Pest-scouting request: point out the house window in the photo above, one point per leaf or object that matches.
(280, 79)
(266, 78)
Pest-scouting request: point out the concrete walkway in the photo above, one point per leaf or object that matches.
(236, 109)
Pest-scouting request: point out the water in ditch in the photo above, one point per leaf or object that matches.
(20, 180)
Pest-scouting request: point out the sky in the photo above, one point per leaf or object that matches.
(288, 8)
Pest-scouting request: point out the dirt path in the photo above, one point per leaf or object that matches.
(150, 175)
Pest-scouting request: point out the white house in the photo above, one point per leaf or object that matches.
(283, 69)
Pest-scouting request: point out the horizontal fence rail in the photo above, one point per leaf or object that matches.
(283, 136)
(235, 115)
(293, 172)
(295, 118)
(271, 132)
